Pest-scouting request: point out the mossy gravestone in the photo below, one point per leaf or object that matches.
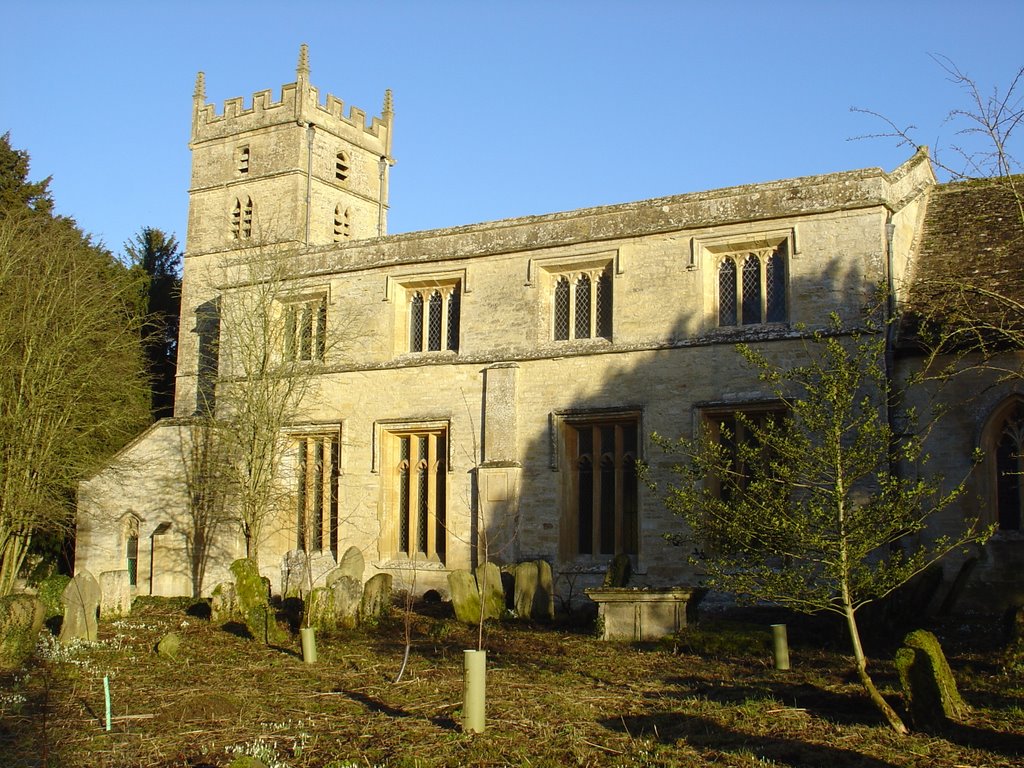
(21, 619)
(466, 593)
(928, 685)
(254, 602)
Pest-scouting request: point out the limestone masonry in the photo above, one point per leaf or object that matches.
(487, 391)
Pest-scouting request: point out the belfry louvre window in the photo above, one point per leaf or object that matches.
(241, 219)
(242, 159)
(341, 163)
(419, 492)
(603, 493)
(305, 332)
(752, 287)
(342, 223)
(317, 464)
(582, 305)
(434, 318)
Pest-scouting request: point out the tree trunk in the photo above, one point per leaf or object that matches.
(861, 664)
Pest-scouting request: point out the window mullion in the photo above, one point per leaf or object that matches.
(595, 503)
(594, 277)
(762, 259)
(446, 299)
(619, 462)
(572, 308)
(431, 494)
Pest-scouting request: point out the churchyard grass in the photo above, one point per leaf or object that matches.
(556, 697)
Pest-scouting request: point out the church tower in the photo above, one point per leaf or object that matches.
(290, 172)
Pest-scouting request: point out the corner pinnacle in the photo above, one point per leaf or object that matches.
(302, 70)
(200, 91)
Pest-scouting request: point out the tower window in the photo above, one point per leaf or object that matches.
(242, 159)
(342, 223)
(341, 163)
(241, 219)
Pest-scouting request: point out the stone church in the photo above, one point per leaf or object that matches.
(490, 389)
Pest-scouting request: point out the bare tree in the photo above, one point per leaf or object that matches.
(271, 339)
(968, 319)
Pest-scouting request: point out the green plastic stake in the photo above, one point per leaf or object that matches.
(106, 695)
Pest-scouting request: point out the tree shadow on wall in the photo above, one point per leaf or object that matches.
(660, 386)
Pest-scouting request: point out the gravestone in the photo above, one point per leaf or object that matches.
(21, 619)
(376, 597)
(115, 594)
(352, 565)
(534, 590)
(254, 602)
(169, 645)
(318, 610)
(544, 598)
(928, 684)
(223, 603)
(346, 595)
(465, 596)
(293, 573)
(81, 601)
(525, 575)
(320, 565)
(466, 593)
(488, 576)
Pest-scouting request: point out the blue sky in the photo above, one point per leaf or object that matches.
(501, 109)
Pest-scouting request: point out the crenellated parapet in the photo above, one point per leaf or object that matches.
(299, 103)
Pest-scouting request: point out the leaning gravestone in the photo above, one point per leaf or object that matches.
(376, 597)
(928, 684)
(115, 594)
(465, 596)
(21, 619)
(81, 601)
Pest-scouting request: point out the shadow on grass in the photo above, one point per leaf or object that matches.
(839, 708)
(1009, 744)
(376, 705)
(701, 733)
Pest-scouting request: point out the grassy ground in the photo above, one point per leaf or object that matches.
(556, 697)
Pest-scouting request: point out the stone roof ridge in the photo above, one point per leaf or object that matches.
(887, 190)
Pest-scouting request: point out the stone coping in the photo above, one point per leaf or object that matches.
(640, 594)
